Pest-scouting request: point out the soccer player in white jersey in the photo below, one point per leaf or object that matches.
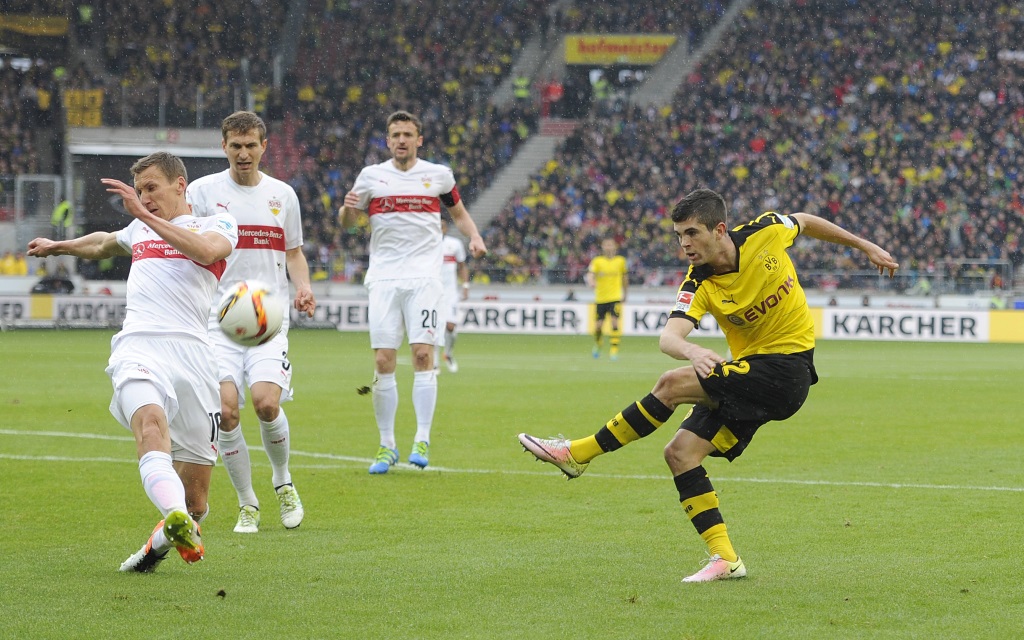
(161, 364)
(269, 250)
(455, 281)
(403, 198)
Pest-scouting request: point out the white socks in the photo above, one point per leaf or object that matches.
(235, 454)
(164, 488)
(276, 444)
(424, 399)
(161, 482)
(385, 406)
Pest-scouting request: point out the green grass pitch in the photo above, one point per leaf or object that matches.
(888, 507)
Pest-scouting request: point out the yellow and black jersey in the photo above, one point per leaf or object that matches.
(608, 276)
(760, 306)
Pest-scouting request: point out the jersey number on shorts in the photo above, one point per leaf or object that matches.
(214, 425)
(429, 319)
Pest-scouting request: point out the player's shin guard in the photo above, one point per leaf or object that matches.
(385, 407)
(700, 502)
(161, 482)
(636, 421)
(424, 400)
(449, 341)
(276, 443)
(234, 453)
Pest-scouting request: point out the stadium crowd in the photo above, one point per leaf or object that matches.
(180, 51)
(905, 127)
(419, 64)
(26, 101)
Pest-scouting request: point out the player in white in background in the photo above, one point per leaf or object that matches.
(161, 364)
(403, 198)
(269, 250)
(455, 281)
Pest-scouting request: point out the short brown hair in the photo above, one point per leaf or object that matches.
(705, 205)
(168, 164)
(243, 122)
(404, 116)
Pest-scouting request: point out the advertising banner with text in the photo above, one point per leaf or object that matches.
(568, 318)
(621, 49)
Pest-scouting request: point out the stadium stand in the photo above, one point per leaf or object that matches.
(904, 127)
(345, 92)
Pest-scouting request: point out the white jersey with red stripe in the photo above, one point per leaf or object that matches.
(269, 224)
(454, 253)
(405, 218)
(169, 293)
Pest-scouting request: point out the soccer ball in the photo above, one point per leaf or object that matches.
(250, 314)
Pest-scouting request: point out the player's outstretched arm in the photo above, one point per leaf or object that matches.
(205, 248)
(94, 246)
(465, 224)
(822, 229)
(298, 272)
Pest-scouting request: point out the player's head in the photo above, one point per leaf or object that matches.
(405, 116)
(160, 181)
(445, 223)
(244, 142)
(703, 204)
(243, 122)
(699, 221)
(168, 164)
(609, 247)
(405, 136)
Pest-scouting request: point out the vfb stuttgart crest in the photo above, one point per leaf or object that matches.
(426, 182)
(275, 205)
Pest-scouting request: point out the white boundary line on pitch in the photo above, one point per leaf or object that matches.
(436, 469)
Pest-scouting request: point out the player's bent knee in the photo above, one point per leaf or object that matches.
(680, 386)
(686, 451)
(266, 410)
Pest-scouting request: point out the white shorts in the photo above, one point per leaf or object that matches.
(450, 307)
(184, 383)
(409, 306)
(245, 366)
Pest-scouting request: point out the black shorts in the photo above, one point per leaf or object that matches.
(750, 392)
(603, 309)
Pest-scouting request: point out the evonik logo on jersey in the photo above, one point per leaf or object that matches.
(770, 301)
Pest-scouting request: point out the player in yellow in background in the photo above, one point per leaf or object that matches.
(609, 276)
(745, 279)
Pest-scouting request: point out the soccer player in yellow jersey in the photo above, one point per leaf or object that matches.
(608, 275)
(745, 279)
